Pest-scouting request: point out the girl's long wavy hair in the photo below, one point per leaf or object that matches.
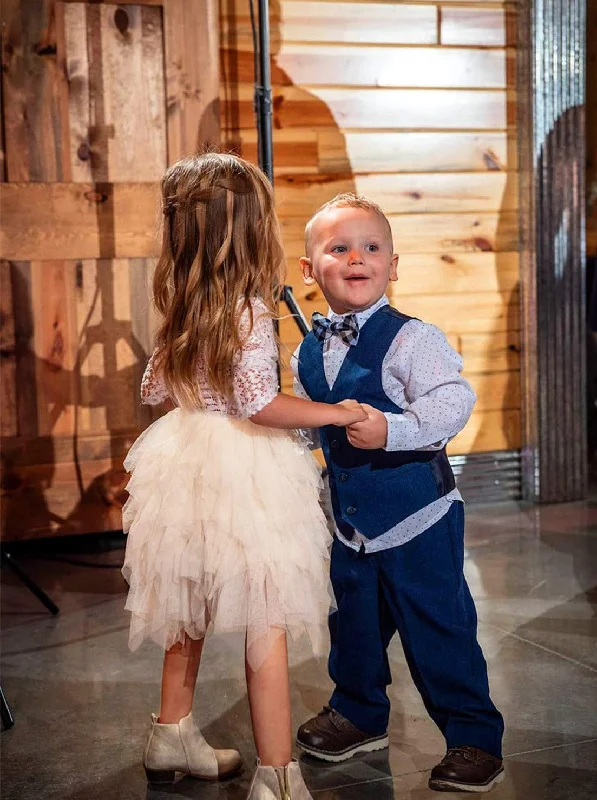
(221, 248)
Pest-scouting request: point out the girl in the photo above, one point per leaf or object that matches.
(225, 529)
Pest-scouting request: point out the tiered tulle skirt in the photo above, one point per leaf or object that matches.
(225, 533)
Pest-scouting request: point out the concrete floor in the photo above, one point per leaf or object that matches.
(81, 701)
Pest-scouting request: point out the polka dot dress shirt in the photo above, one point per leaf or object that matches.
(421, 375)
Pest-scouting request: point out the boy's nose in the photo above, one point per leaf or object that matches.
(355, 257)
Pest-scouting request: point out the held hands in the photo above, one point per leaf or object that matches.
(366, 427)
(371, 433)
(349, 412)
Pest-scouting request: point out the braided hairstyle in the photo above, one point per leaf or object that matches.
(221, 249)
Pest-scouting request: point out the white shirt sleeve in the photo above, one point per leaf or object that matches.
(297, 386)
(423, 370)
(310, 434)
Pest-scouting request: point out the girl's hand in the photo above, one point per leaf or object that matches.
(289, 413)
(350, 411)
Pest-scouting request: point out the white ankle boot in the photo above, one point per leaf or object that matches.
(181, 747)
(279, 783)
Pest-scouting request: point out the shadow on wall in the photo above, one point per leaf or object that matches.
(295, 107)
(40, 471)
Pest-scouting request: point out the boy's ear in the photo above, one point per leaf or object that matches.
(394, 267)
(307, 270)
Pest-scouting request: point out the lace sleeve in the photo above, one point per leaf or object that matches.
(256, 375)
(153, 389)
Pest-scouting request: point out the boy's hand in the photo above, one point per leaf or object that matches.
(372, 433)
(350, 411)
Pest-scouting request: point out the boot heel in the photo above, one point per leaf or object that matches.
(160, 775)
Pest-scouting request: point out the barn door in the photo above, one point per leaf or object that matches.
(97, 99)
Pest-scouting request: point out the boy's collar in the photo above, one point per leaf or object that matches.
(362, 316)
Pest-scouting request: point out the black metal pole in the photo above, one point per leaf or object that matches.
(296, 311)
(7, 720)
(33, 587)
(263, 95)
(265, 149)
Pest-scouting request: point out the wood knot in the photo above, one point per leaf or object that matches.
(448, 259)
(96, 197)
(491, 161)
(121, 20)
(56, 355)
(415, 195)
(44, 49)
(83, 151)
(79, 274)
(482, 244)
(298, 179)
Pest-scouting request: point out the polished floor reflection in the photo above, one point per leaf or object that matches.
(81, 701)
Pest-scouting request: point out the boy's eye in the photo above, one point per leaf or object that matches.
(339, 248)
(373, 248)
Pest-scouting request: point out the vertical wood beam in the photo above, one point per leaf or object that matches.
(192, 45)
(35, 91)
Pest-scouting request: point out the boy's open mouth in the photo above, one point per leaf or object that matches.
(357, 277)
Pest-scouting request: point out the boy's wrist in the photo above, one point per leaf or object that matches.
(392, 436)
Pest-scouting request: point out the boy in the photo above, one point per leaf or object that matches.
(397, 558)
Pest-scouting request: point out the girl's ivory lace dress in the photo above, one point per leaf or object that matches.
(225, 530)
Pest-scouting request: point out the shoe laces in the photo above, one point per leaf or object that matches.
(465, 751)
(338, 721)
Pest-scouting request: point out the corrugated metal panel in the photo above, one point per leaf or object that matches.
(552, 158)
(488, 477)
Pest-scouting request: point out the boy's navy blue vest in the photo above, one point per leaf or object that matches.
(372, 490)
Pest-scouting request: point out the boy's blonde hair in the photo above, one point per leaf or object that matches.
(346, 200)
(221, 249)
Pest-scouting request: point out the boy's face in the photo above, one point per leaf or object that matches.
(350, 256)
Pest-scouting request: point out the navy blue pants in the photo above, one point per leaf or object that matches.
(419, 590)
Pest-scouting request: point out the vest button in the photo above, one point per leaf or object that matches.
(343, 476)
(351, 510)
(334, 444)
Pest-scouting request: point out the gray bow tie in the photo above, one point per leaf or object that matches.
(347, 328)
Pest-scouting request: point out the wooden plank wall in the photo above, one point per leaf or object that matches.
(409, 102)
(412, 104)
(96, 99)
(78, 348)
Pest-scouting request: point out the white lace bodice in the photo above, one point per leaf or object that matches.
(255, 374)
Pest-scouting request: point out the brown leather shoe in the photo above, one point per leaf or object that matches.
(331, 737)
(466, 769)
